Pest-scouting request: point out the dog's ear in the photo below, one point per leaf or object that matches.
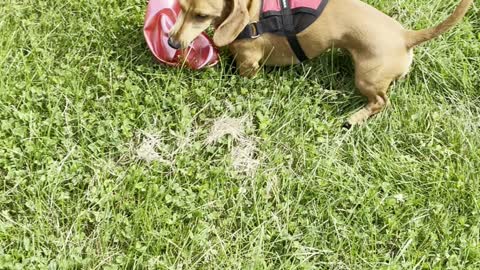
(235, 22)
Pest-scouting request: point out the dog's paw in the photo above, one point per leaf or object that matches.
(249, 70)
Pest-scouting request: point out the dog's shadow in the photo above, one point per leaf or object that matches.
(332, 72)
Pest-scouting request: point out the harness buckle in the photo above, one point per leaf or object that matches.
(254, 30)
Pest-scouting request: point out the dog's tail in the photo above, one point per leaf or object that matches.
(415, 38)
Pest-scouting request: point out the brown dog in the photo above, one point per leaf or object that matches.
(381, 48)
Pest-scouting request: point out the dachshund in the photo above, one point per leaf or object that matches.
(382, 50)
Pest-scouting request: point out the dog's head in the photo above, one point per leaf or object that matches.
(228, 16)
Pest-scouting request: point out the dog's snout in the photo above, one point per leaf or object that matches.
(174, 43)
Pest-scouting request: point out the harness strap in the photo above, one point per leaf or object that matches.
(297, 48)
(289, 30)
(255, 29)
(276, 24)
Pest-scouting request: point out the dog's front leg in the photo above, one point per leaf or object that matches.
(248, 59)
(248, 69)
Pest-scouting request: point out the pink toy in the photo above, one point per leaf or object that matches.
(159, 19)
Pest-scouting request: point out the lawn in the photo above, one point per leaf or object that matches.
(109, 160)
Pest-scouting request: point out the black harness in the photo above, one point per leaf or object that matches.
(285, 21)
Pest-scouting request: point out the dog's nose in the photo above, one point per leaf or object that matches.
(173, 43)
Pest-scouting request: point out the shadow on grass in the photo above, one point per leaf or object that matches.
(333, 71)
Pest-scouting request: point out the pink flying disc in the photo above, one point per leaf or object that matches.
(159, 19)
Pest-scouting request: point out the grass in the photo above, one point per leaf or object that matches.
(80, 95)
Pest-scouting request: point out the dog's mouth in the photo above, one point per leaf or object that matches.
(179, 45)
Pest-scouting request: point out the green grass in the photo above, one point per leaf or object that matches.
(79, 92)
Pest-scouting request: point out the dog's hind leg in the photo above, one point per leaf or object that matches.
(376, 94)
(373, 76)
(372, 79)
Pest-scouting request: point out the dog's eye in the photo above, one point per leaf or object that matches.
(201, 16)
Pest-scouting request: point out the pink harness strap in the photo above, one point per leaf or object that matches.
(270, 5)
(313, 4)
(274, 5)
